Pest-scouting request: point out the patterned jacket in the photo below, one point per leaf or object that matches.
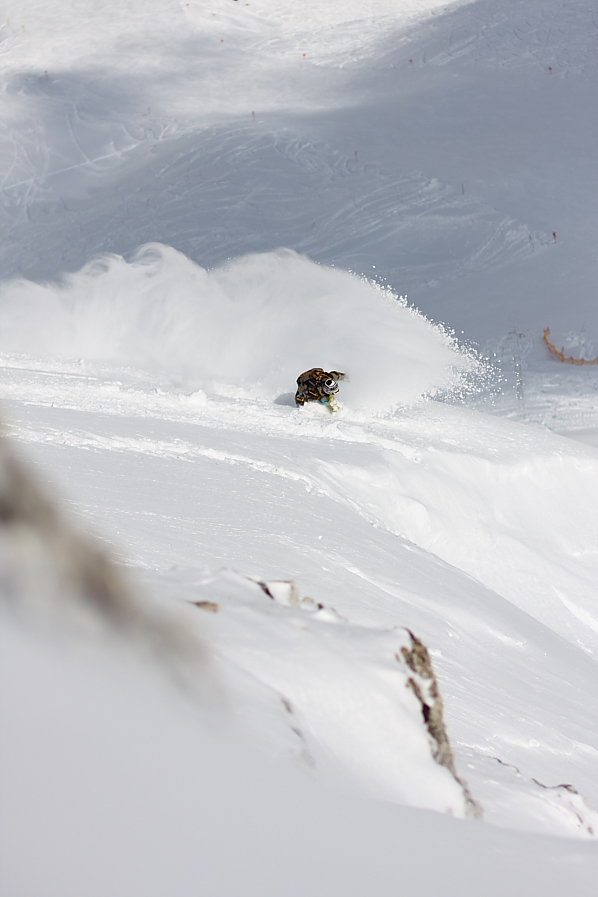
(317, 385)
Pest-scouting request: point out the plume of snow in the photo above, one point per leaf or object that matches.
(252, 325)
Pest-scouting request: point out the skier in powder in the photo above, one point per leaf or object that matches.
(317, 385)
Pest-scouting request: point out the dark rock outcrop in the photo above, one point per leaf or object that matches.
(425, 687)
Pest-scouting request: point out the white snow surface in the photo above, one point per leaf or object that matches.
(248, 327)
(199, 201)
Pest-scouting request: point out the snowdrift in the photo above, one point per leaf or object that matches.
(369, 698)
(512, 506)
(116, 788)
(342, 699)
(101, 747)
(247, 329)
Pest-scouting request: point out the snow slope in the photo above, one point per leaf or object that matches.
(177, 801)
(439, 149)
(431, 152)
(249, 327)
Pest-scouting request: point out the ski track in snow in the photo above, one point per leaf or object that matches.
(303, 188)
(229, 187)
(176, 450)
(446, 150)
(120, 411)
(390, 484)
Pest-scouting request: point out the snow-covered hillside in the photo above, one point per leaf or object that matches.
(199, 201)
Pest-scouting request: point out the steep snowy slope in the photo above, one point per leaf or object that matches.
(476, 533)
(432, 153)
(447, 151)
(129, 793)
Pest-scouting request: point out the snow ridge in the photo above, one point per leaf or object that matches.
(247, 329)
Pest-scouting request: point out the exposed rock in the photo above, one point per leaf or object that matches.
(210, 606)
(283, 591)
(425, 687)
(53, 575)
(286, 592)
(422, 681)
(563, 795)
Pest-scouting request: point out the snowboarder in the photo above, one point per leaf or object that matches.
(317, 385)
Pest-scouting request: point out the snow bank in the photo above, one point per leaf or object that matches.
(111, 785)
(252, 325)
(364, 695)
(510, 505)
(340, 698)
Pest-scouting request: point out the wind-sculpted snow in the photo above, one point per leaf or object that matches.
(450, 152)
(52, 577)
(111, 786)
(341, 698)
(245, 329)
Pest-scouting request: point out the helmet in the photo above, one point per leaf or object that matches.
(329, 386)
